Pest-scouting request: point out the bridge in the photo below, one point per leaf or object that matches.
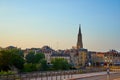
(81, 74)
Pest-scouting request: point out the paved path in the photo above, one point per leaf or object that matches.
(86, 76)
(117, 79)
(97, 76)
(115, 76)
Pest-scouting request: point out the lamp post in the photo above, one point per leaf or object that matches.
(108, 69)
(108, 65)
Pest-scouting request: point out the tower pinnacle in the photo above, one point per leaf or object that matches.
(79, 28)
(79, 41)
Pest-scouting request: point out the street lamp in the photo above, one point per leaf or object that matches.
(108, 63)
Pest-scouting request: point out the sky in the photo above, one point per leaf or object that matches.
(35, 23)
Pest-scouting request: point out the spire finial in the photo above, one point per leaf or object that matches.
(79, 28)
(79, 25)
(79, 41)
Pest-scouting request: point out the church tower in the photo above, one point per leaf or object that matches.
(79, 41)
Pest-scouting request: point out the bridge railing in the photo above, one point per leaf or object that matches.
(49, 75)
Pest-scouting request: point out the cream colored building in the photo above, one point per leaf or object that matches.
(82, 57)
(48, 57)
(79, 57)
(60, 55)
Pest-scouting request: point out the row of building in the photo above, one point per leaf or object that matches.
(78, 56)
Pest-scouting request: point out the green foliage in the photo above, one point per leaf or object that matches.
(31, 57)
(60, 64)
(44, 65)
(38, 67)
(18, 61)
(38, 57)
(29, 67)
(35, 62)
(5, 59)
(9, 58)
(6, 72)
(17, 51)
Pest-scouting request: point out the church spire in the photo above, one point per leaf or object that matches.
(79, 28)
(79, 41)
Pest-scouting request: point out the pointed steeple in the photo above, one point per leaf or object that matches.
(79, 41)
(79, 29)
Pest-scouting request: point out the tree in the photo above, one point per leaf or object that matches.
(35, 62)
(17, 51)
(38, 57)
(30, 57)
(29, 67)
(44, 65)
(18, 61)
(5, 60)
(10, 58)
(60, 64)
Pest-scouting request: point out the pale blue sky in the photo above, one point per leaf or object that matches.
(34, 23)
